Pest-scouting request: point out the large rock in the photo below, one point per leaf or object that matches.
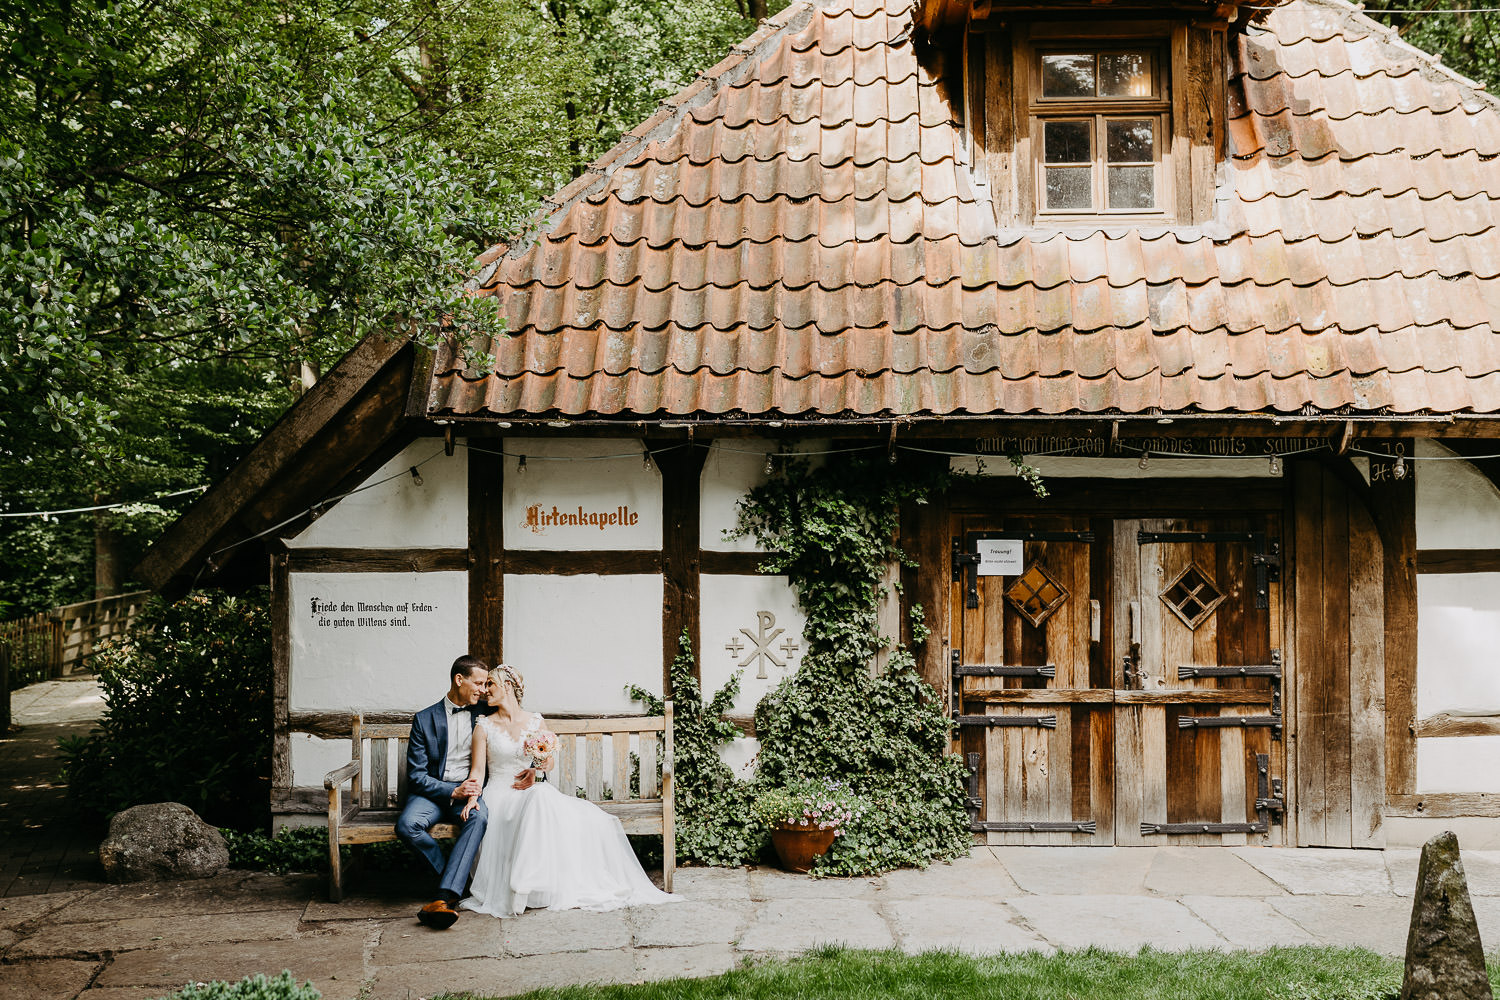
(161, 841)
(1444, 958)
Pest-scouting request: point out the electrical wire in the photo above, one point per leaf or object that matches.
(102, 506)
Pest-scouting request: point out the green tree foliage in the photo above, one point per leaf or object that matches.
(199, 197)
(1465, 35)
(188, 713)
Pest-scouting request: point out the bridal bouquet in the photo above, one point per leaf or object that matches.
(811, 803)
(540, 746)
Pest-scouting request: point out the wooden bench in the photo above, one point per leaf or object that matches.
(367, 814)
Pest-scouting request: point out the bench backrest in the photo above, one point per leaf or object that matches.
(646, 740)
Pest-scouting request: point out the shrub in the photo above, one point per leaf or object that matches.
(187, 714)
(283, 987)
(305, 849)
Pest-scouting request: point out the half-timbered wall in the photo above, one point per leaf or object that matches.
(1458, 604)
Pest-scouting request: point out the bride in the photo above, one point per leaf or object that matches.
(542, 847)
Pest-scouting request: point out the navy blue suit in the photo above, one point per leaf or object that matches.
(429, 800)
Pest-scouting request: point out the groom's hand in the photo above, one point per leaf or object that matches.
(468, 788)
(525, 779)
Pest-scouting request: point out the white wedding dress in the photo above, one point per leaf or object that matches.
(543, 847)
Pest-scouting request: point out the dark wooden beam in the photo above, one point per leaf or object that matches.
(565, 562)
(681, 472)
(1444, 724)
(1443, 805)
(321, 560)
(731, 563)
(1458, 561)
(487, 556)
(281, 674)
(1393, 507)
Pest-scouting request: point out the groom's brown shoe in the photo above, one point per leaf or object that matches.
(438, 915)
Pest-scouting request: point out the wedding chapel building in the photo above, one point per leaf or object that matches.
(1225, 275)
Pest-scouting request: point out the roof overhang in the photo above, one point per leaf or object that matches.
(937, 16)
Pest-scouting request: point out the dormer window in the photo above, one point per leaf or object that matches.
(1101, 116)
(1089, 122)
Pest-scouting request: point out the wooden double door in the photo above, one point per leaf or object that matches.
(1117, 680)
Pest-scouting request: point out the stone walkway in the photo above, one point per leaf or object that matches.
(44, 846)
(64, 934)
(118, 942)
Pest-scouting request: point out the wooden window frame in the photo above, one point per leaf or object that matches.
(1001, 67)
(1098, 111)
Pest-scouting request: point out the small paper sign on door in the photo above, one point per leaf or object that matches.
(1000, 556)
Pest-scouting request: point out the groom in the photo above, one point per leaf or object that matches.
(437, 769)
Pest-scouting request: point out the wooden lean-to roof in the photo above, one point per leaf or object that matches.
(800, 233)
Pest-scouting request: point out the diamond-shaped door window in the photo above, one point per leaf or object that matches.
(1036, 595)
(1192, 596)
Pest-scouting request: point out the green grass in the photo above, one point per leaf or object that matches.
(835, 973)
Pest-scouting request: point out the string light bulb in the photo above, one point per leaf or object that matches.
(521, 465)
(1400, 470)
(416, 476)
(1145, 461)
(770, 465)
(646, 460)
(1275, 465)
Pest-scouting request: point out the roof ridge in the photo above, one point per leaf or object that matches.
(670, 115)
(1355, 13)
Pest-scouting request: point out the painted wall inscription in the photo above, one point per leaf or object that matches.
(369, 614)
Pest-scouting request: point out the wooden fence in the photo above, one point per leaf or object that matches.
(59, 642)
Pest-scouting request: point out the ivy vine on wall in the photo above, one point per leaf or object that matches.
(831, 529)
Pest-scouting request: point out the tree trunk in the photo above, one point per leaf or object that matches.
(106, 553)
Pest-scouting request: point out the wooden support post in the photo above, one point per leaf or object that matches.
(681, 471)
(668, 808)
(924, 537)
(1393, 506)
(486, 556)
(281, 674)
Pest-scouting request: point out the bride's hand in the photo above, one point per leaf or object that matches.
(525, 779)
(469, 808)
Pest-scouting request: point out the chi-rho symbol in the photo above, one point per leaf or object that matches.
(761, 651)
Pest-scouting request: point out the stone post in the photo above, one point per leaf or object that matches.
(1444, 957)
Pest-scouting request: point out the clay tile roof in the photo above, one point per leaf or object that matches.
(797, 234)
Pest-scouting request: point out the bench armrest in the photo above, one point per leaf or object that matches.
(333, 779)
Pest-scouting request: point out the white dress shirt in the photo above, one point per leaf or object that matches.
(460, 741)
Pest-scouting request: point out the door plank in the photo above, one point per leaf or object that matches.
(1101, 780)
(1153, 750)
(1059, 742)
(1337, 773)
(1130, 782)
(1311, 680)
(1232, 780)
(1366, 679)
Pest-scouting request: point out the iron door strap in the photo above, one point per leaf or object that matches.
(998, 669)
(1271, 722)
(1001, 721)
(1268, 809)
(965, 556)
(974, 803)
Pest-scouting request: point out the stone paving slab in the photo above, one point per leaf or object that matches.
(1247, 923)
(332, 960)
(232, 892)
(1310, 871)
(979, 875)
(1115, 923)
(1178, 871)
(1481, 867)
(791, 926)
(674, 963)
(1075, 870)
(973, 925)
(98, 937)
(406, 941)
(544, 932)
(1378, 923)
(771, 883)
(16, 910)
(53, 977)
(688, 923)
(712, 883)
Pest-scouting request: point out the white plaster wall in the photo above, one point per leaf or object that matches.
(399, 514)
(1458, 633)
(595, 477)
(1457, 507)
(313, 757)
(732, 468)
(732, 603)
(1157, 467)
(398, 667)
(580, 639)
(1458, 764)
(739, 753)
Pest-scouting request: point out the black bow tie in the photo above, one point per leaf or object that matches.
(460, 708)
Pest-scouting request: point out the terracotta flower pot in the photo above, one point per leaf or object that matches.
(797, 846)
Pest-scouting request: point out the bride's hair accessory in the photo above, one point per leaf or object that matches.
(512, 677)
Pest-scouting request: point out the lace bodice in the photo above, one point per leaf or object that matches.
(505, 756)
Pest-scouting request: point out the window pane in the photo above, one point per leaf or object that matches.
(1068, 76)
(1067, 142)
(1125, 74)
(1070, 187)
(1129, 141)
(1132, 187)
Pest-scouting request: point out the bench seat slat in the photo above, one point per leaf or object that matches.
(635, 724)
